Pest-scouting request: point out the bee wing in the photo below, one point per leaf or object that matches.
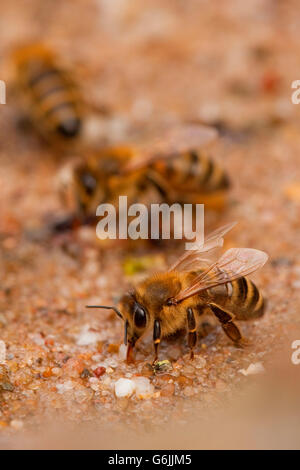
(235, 263)
(172, 142)
(192, 259)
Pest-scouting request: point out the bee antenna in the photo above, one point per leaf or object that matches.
(107, 307)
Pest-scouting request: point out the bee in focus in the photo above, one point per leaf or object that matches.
(49, 95)
(171, 301)
(171, 169)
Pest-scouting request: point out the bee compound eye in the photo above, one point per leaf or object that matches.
(69, 128)
(140, 317)
(89, 183)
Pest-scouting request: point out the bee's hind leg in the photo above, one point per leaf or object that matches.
(192, 331)
(229, 327)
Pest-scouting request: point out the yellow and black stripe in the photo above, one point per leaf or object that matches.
(241, 297)
(53, 99)
(193, 170)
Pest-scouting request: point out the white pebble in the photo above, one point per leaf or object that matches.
(65, 386)
(253, 369)
(97, 358)
(94, 384)
(107, 381)
(111, 362)
(93, 380)
(124, 388)
(199, 362)
(143, 387)
(2, 352)
(17, 424)
(87, 337)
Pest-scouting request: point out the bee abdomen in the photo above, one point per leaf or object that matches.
(55, 101)
(210, 175)
(196, 171)
(244, 299)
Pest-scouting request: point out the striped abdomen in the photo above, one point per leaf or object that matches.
(240, 297)
(53, 99)
(192, 171)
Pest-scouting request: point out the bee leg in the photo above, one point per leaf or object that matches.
(229, 327)
(156, 338)
(192, 334)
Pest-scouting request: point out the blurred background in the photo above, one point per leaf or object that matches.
(139, 66)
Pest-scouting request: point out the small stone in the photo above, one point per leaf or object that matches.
(113, 348)
(165, 378)
(2, 352)
(99, 371)
(168, 390)
(96, 357)
(17, 424)
(124, 388)
(65, 386)
(94, 384)
(7, 387)
(85, 374)
(87, 337)
(111, 362)
(106, 382)
(199, 361)
(184, 381)
(189, 370)
(82, 396)
(47, 372)
(143, 387)
(188, 391)
(256, 368)
(74, 367)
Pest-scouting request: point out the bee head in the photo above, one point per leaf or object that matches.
(135, 317)
(90, 190)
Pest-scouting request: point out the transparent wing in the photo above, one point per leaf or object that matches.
(192, 259)
(170, 143)
(235, 263)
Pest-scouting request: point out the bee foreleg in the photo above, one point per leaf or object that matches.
(226, 320)
(192, 331)
(156, 338)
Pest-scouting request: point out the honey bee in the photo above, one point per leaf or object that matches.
(171, 301)
(48, 93)
(171, 169)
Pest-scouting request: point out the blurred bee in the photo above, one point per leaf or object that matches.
(171, 301)
(171, 169)
(49, 95)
